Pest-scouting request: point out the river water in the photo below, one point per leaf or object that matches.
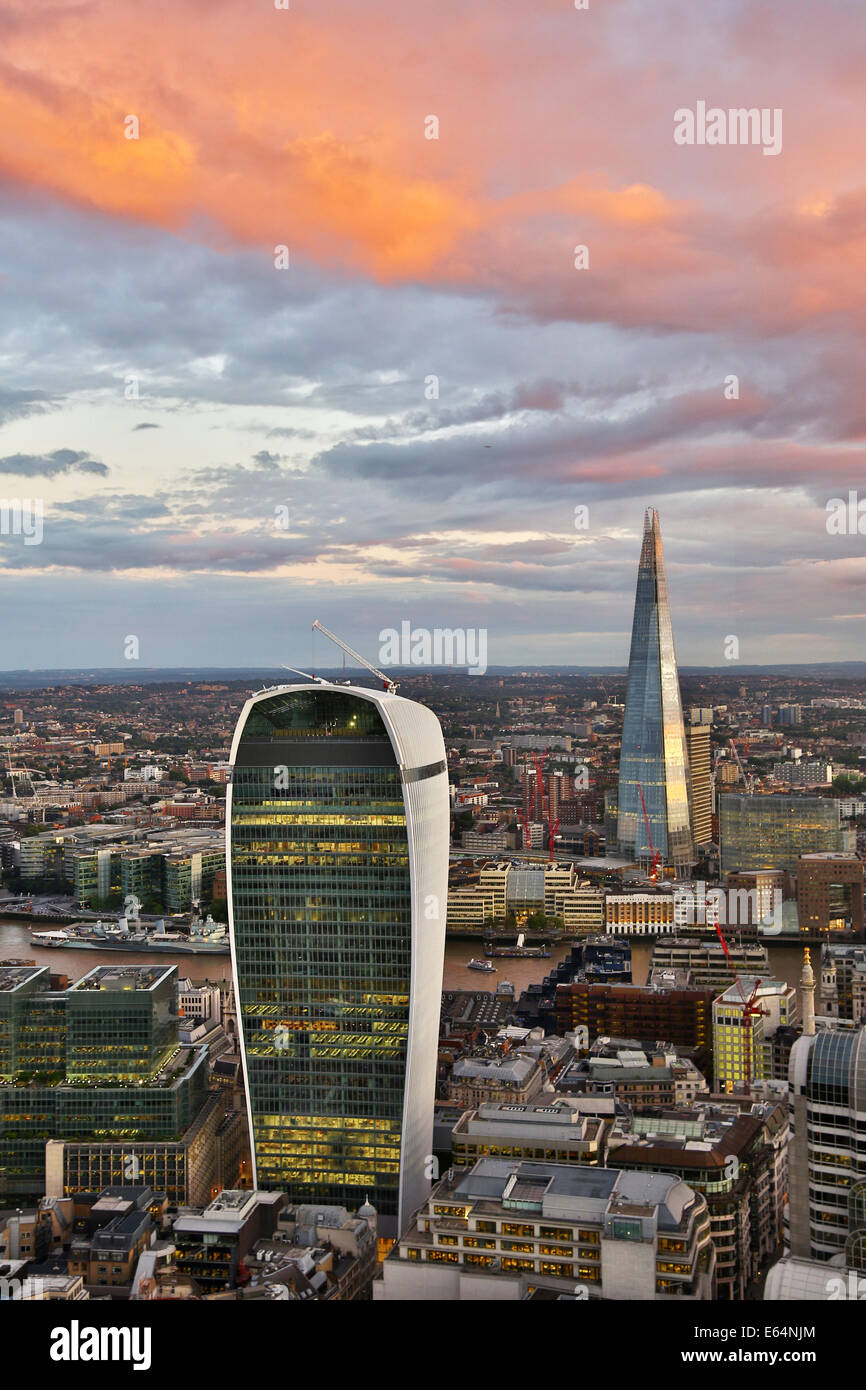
(786, 961)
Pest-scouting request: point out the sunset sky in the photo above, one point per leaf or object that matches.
(151, 261)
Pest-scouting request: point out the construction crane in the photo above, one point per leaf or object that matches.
(656, 853)
(546, 811)
(749, 785)
(14, 772)
(389, 685)
(750, 1010)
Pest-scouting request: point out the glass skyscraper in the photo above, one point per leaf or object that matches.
(337, 868)
(654, 758)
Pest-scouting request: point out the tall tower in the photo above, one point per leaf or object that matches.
(700, 776)
(337, 875)
(654, 757)
(807, 994)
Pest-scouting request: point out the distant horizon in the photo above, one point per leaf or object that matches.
(123, 675)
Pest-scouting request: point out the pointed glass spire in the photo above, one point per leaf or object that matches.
(654, 758)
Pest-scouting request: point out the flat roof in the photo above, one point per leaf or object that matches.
(122, 977)
(12, 977)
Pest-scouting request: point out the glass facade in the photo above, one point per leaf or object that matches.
(322, 939)
(99, 1061)
(654, 757)
(771, 832)
(121, 1024)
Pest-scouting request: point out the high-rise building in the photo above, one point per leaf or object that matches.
(654, 763)
(790, 714)
(827, 1163)
(337, 866)
(701, 779)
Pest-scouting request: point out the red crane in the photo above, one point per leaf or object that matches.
(546, 812)
(656, 853)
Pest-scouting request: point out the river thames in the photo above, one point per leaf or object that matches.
(786, 961)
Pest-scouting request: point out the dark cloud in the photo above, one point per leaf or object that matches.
(53, 464)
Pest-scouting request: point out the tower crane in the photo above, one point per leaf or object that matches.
(24, 772)
(389, 685)
(749, 785)
(546, 808)
(656, 853)
(750, 1010)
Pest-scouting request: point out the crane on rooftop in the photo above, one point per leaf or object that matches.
(389, 685)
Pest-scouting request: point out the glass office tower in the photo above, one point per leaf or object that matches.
(654, 758)
(337, 869)
(772, 832)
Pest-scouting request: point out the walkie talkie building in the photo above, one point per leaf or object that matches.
(654, 765)
(337, 867)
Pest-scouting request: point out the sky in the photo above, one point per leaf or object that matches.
(293, 326)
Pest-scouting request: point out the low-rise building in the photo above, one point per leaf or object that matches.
(639, 914)
(507, 1228)
(212, 1244)
(737, 1160)
(559, 1130)
(634, 1076)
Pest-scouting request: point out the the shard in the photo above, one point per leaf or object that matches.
(653, 810)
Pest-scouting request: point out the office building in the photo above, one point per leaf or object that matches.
(681, 1015)
(211, 1244)
(745, 1019)
(654, 788)
(705, 960)
(337, 868)
(803, 773)
(641, 1076)
(639, 914)
(827, 1156)
(830, 893)
(772, 832)
(559, 1129)
(755, 896)
(97, 1064)
(700, 781)
(212, 1152)
(511, 1230)
(737, 1161)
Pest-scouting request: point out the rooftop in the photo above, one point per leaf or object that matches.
(123, 977)
(12, 977)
